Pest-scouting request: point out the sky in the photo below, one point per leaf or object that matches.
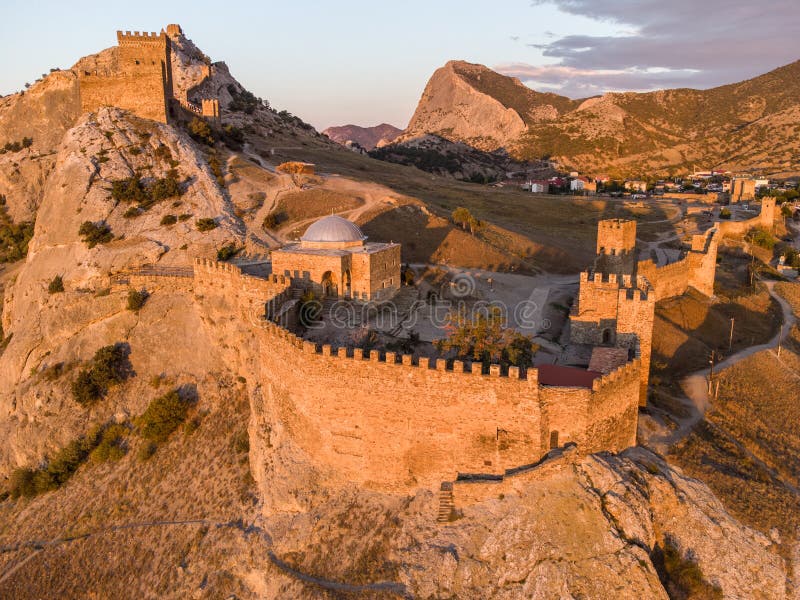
(367, 62)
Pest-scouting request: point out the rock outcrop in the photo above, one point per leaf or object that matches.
(739, 126)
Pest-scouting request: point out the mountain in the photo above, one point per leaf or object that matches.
(229, 504)
(746, 126)
(366, 137)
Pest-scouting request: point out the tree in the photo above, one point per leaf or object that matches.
(136, 299)
(95, 233)
(482, 336)
(461, 217)
(163, 416)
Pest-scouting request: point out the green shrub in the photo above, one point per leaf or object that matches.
(682, 576)
(56, 285)
(163, 416)
(184, 217)
(136, 299)
(14, 237)
(130, 189)
(205, 224)
(132, 212)
(761, 237)
(166, 187)
(58, 469)
(111, 445)
(725, 213)
(271, 221)
(109, 367)
(200, 131)
(169, 220)
(95, 233)
(227, 252)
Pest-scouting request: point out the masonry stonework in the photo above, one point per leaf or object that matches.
(398, 422)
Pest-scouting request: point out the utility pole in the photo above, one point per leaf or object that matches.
(711, 374)
(730, 339)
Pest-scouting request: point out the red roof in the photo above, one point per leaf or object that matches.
(560, 376)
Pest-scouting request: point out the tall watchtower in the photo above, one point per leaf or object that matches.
(616, 247)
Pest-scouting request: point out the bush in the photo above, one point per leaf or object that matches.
(184, 217)
(132, 212)
(14, 237)
(100, 442)
(111, 445)
(56, 285)
(132, 189)
(200, 131)
(761, 237)
(227, 252)
(95, 233)
(725, 213)
(163, 416)
(136, 299)
(109, 367)
(169, 220)
(205, 224)
(682, 576)
(271, 221)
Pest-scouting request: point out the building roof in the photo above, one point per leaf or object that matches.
(561, 376)
(333, 229)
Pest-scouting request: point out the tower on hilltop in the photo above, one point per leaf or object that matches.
(616, 247)
(142, 83)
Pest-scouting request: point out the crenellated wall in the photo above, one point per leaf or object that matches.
(392, 421)
(142, 83)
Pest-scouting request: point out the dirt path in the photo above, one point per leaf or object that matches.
(389, 588)
(695, 386)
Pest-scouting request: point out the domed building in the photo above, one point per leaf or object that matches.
(334, 259)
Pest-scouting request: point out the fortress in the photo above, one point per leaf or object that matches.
(395, 422)
(142, 81)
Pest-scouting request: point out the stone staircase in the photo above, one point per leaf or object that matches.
(447, 504)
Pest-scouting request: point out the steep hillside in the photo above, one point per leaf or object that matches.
(366, 137)
(742, 126)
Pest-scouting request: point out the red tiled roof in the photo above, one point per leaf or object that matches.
(560, 376)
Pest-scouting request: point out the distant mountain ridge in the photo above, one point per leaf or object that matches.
(746, 126)
(366, 137)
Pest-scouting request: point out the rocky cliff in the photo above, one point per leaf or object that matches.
(742, 126)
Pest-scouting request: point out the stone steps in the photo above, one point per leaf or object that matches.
(447, 504)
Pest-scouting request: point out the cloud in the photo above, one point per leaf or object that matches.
(667, 44)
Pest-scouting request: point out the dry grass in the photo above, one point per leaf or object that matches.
(688, 328)
(790, 291)
(314, 203)
(197, 476)
(748, 449)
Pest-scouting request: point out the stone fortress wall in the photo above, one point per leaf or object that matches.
(397, 422)
(142, 81)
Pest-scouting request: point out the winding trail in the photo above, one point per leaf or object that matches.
(385, 587)
(695, 386)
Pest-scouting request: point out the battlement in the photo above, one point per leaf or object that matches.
(628, 370)
(128, 38)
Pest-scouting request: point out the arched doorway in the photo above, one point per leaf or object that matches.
(553, 439)
(328, 284)
(346, 284)
(606, 337)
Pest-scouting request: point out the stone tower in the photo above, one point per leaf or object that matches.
(616, 247)
(142, 83)
(742, 190)
(616, 311)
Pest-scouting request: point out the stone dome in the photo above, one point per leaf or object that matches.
(333, 230)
